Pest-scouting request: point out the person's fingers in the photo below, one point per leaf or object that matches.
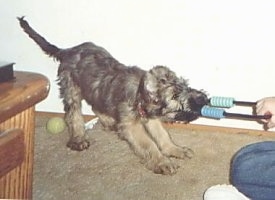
(262, 111)
(259, 106)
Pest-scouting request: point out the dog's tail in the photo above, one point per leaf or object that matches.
(48, 48)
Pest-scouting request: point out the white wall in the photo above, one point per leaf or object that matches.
(224, 47)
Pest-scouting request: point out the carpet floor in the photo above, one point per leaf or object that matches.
(109, 170)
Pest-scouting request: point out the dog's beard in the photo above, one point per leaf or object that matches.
(191, 106)
(188, 115)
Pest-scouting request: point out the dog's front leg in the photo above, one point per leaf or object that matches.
(164, 142)
(143, 146)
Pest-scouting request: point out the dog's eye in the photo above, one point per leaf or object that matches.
(175, 96)
(162, 81)
(155, 101)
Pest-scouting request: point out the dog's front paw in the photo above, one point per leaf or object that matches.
(178, 152)
(188, 153)
(78, 144)
(163, 166)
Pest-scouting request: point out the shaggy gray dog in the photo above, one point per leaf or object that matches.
(128, 100)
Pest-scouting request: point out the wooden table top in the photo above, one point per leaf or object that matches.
(23, 92)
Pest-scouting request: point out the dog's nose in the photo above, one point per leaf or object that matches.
(201, 100)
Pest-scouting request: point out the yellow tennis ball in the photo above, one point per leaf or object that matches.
(55, 125)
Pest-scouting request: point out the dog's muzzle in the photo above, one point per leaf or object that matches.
(194, 105)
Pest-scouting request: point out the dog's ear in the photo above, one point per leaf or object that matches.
(149, 85)
(150, 82)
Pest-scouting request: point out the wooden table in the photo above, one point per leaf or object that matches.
(17, 123)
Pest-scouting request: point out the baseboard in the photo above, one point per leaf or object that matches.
(191, 127)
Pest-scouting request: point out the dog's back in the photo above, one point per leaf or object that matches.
(92, 68)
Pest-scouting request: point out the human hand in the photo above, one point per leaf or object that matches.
(266, 106)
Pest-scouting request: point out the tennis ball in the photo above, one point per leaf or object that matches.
(55, 125)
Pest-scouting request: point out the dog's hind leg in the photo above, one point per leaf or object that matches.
(144, 147)
(106, 121)
(71, 95)
(164, 142)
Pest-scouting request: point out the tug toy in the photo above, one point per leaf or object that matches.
(213, 110)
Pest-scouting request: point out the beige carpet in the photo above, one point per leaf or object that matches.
(109, 170)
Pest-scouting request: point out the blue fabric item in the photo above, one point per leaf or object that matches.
(253, 170)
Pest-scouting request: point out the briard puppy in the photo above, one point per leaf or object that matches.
(128, 100)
